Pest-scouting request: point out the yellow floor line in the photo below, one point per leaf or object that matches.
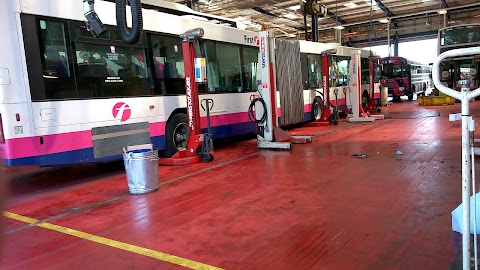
(112, 243)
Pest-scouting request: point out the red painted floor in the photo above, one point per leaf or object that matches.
(314, 207)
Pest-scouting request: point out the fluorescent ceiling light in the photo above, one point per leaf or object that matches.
(374, 4)
(296, 7)
(350, 5)
(442, 11)
(290, 16)
(384, 20)
(339, 27)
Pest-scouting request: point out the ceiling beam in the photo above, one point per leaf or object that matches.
(385, 9)
(444, 4)
(383, 40)
(263, 11)
(335, 17)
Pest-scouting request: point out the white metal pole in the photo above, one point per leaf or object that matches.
(465, 95)
(474, 189)
(466, 166)
(388, 39)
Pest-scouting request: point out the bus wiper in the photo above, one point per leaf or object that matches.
(94, 24)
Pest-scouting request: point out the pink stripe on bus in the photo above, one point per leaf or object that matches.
(28, 147)
(225, 119)
(64, 142)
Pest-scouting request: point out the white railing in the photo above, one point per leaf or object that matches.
(467, 126)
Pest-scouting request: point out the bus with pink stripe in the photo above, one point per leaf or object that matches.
(61, 88)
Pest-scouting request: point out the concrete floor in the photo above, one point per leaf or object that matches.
(315, 207)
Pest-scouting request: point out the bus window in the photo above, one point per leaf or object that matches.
(365, 68)
(314, 72)
(213, 81)
(343, 67)
(57, 76)
(249, 71)
(223, 68)
(110, 71)
(228, 60)
(168, 65)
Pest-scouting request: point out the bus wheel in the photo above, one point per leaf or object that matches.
(410, 97)
(176, 134)
(317, 107)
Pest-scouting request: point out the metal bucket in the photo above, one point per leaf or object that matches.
(142, 171)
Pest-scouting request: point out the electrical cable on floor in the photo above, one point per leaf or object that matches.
(251, 110)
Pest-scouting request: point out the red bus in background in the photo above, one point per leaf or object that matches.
(404, 77)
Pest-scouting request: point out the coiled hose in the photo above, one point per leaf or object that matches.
(129, 36)
(251, 111)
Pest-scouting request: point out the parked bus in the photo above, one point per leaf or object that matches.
(65, 96)
(312, 74)
(404, 77)
(460, 68)
(59, 85)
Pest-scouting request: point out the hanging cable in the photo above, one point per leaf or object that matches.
(251, 110)
(129, 36)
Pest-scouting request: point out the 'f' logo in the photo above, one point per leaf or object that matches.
(256, 41)
(121, 110)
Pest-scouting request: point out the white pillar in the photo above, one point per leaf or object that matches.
(388, 39)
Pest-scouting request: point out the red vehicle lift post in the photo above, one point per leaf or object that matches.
(194, 73)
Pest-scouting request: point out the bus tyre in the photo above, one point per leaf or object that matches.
(176, 134)
(317, 108)
(410, 97)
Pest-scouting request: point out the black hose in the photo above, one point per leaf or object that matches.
(129, 36)
(251, 111)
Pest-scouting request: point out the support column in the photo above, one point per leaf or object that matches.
(444, 20)
(315, 26)
(338, 36)
(395, 46)
(388, 40)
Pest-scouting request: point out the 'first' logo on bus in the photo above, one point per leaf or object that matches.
(121, 110)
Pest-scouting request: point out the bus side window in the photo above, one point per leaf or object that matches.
(57, 76)
(228, 62)
(249, 68)
(169, 70)
(313, 71)
(343, 69)
(110, 70)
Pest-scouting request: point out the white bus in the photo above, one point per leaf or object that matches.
(59, 85)
(66, 97)
(460, 68)
(312, 74)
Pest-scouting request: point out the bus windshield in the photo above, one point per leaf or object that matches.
(459, 68)
(392, 71)
(460, 35)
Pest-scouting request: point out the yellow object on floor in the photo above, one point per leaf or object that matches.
(435, 100)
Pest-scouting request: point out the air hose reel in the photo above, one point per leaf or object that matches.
(311, 8)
